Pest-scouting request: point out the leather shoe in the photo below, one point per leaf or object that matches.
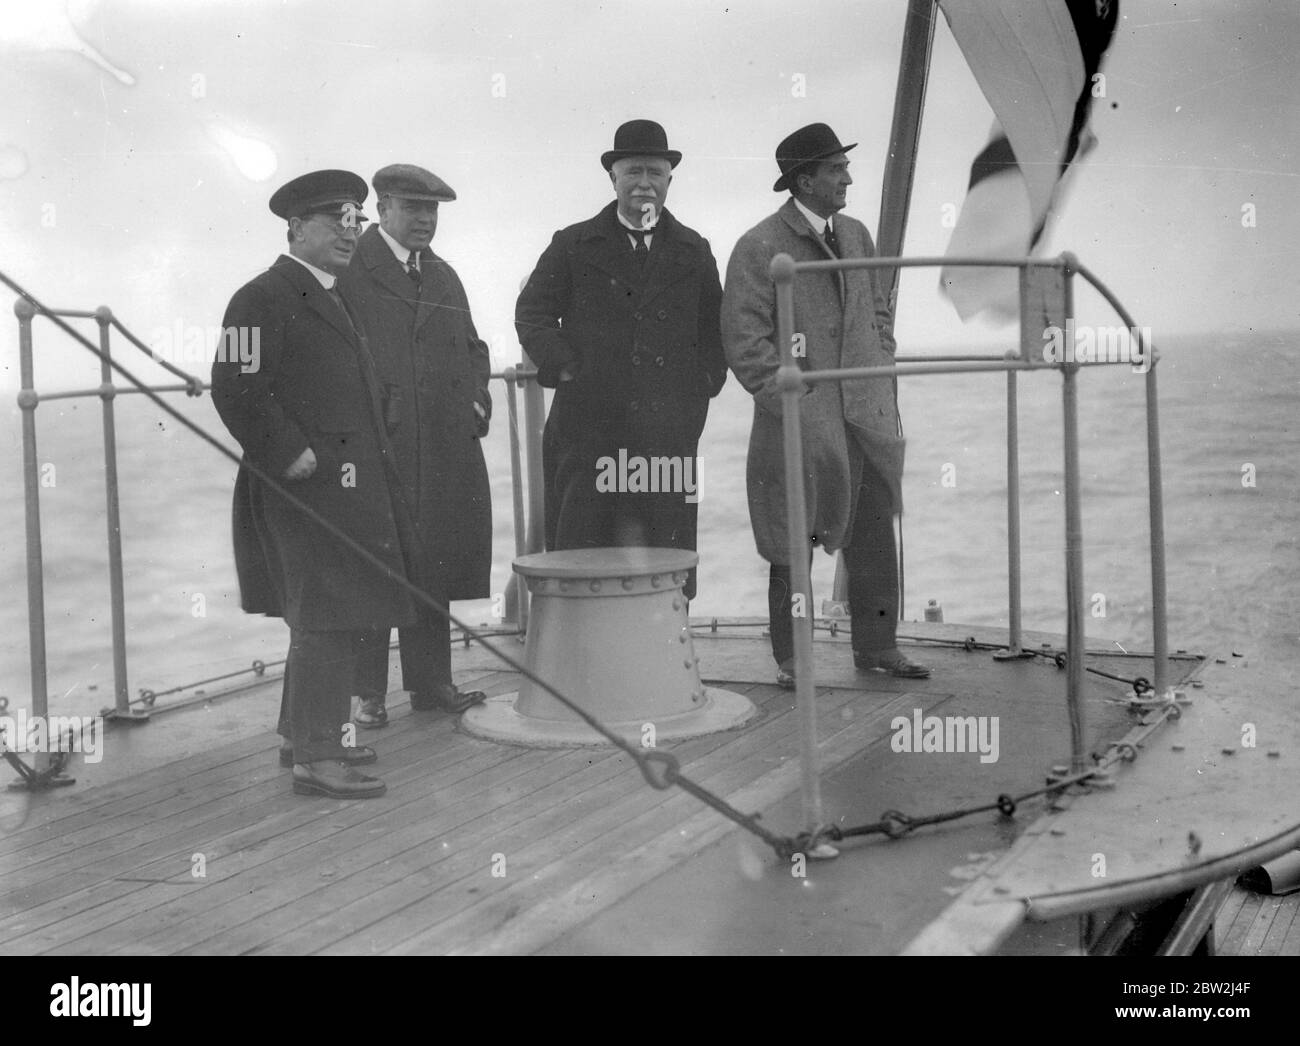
(892, 661)
(785, 675)
(371, 714)
(360, 755)
(446, 699)
(335, 779)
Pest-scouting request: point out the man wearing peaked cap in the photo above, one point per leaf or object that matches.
(852, 450)
(434, 372)
(621, 318)
(307, 416)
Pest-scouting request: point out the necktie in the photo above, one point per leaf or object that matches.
(642, 249)
(413, 268)
(832, 241)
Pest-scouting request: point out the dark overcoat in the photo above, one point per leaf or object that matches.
(644, 348)
(433, 368)
(844, 321)
(313, 386)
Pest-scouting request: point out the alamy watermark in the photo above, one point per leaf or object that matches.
(1087, 344)
(56, 733)
(637, 474)
(953, 733)
(186, 343)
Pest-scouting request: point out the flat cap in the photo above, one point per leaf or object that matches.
(321, 192)
(411, 183)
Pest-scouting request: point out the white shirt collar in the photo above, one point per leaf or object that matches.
(399, 252)
(327, 280)
(649, 229)
(817, 222)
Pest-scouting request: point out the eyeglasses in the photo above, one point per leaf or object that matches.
(350, 223)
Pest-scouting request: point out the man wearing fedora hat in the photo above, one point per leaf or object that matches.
(308, 418)
(853, 454)
(621, 318)
(434, 371)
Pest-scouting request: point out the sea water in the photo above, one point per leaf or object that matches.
(1232, 518)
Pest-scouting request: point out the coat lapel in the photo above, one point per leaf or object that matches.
(799, 224)
(384, 268)
(669, 259)
(315, 297)
(433, 286)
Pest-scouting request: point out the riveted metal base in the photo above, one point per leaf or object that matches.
(498, 720)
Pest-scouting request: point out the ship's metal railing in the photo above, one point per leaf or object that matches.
(1046, 299)
(527, 512)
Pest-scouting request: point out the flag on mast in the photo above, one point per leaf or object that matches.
(1037, 64)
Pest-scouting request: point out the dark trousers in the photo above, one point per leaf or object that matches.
(584, 517)
(871, 560)
(426, 653)
(316, 702)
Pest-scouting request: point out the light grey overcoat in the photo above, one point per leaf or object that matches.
(844, 322)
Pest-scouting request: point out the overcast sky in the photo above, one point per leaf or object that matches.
(141, 139)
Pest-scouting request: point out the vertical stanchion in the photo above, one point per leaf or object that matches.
(121, 695)
(1155, 495)
(1074, 598)
(1014, 640)
(791, 386)
(534, 426)
(516, 593)
(27, 401)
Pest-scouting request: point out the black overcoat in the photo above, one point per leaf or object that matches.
(313, 386)
(433, 369)
(644, 348)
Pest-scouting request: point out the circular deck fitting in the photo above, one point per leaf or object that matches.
(497, 719)
(608, 630)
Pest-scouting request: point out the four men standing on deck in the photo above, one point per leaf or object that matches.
(369, 406)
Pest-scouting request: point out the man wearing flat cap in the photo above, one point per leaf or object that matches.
(853, 455)
(308, 418)
(434, 371)
(621, 318)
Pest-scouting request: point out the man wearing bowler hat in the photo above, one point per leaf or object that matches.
(621, 318)
(853, 455)
(434, 372)
(308, 417)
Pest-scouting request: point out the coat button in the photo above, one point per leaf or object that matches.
(634, 405)
(636, 361)
(636, 315)
(663, 314)
(659, 361)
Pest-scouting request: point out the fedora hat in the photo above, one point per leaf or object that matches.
(640, 138)
(807, 145)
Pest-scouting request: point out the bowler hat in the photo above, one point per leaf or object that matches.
(640, 138)
(807, 145)
(321, 192)
(411, 183)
